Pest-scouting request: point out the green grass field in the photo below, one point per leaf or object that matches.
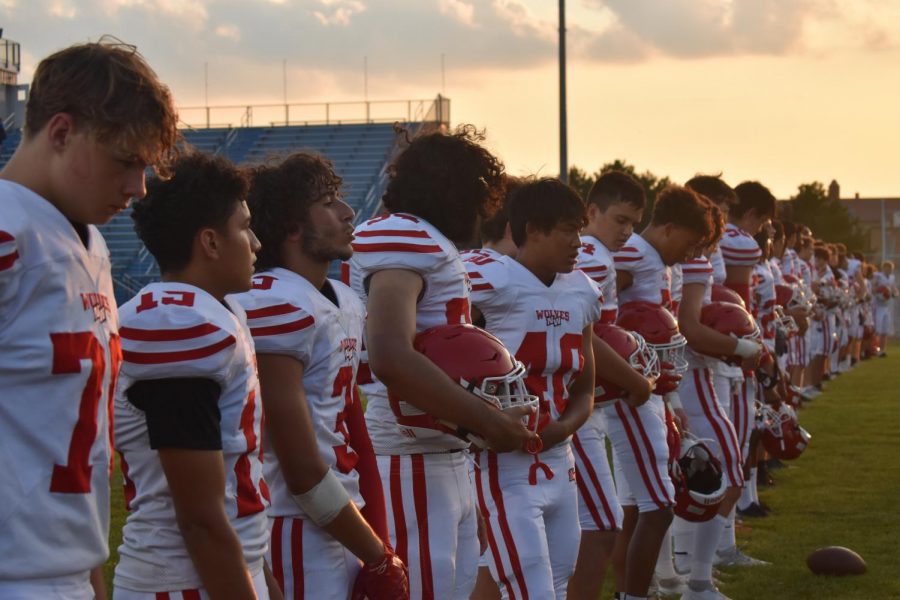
(843, 491)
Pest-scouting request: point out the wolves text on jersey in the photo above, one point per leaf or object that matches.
(348, 347)
(552, 317)
(97, 302)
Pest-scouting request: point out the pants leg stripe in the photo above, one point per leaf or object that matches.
(489, 529)
(503, 521)
(639, 457)
(606, 521)
(396, 491)
(725, 435)
(275, 551)
(420, 500)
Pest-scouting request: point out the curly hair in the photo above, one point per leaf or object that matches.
(717, 217)
(684, 207)
(544, 204)
(203, 191)
(494, 228)
(110, 90)
(280, 197)
(448, 180)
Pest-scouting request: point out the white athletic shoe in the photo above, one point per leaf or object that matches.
(703, 590)
(671, 586)
(733, 557)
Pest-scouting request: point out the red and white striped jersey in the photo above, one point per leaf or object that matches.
(172, 330)
(651, 279)
(699, 271)
(480, 254)
(60, 357)
(775, 267)
(790, 263)
(763, 304)
(718, 265)
(738, 247)
(596, 261)
(402, 241)
(541, 324)
(806, 272)
(287, 315)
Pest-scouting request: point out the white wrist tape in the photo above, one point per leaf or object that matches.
(324, 501)
(674, 400)
(746, 348)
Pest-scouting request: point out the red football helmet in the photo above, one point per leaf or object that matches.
(699, 481)
(781, 434)
(478, 362)
(786, 298)
(658, 328)
(722, 293)
(731, 320)
(630, 346)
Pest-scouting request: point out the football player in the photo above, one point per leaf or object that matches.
(615, 206)
(537, 304)
(707, 417)
(319, 461)
(96, 118)
(884, 291)
(411, 276)
(754, 209)
(187, 407)
(678, 227)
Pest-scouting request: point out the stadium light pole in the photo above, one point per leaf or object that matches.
(563, 133)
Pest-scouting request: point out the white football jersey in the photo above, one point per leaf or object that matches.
(541, 325)
(287, 315)
(738, 247)
(718, 265)
(699, 271)
(60, 357)
(172, 330)
(401, 241)
(596, 261)
(479, 254)
(763, 301)
(775, 267)
(806, 272)
(790, 263)
(651, 279)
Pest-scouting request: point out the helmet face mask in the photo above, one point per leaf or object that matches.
(481, 365)
(700, 483)
(781, 434)
(660, 332)
(633, 349)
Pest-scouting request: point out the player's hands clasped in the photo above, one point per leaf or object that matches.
(506, 430)
(384, 579)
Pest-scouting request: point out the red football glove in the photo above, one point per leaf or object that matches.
(668, 379)
(385, 579)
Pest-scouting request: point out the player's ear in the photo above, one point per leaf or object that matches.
(208, 243)
(59, 130)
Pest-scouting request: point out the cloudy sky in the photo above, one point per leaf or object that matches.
(784, 91)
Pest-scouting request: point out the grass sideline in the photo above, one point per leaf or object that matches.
(842, 492)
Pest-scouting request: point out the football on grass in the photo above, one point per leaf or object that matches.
(835, 560)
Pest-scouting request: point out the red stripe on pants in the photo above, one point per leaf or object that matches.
(492, 540)
(420, 500)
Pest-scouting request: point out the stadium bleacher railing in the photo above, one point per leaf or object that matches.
(316, 113)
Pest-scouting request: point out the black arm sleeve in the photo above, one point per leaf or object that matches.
(181, 413)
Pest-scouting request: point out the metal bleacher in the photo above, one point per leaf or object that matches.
(359, 151)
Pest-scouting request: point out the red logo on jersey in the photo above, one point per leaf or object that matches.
(98, 303)
(348, 347)
(552, 317)
(588, 249)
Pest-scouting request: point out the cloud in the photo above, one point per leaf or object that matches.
(324, 41)
(459, 10)
(231, 32)
(338, 12)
